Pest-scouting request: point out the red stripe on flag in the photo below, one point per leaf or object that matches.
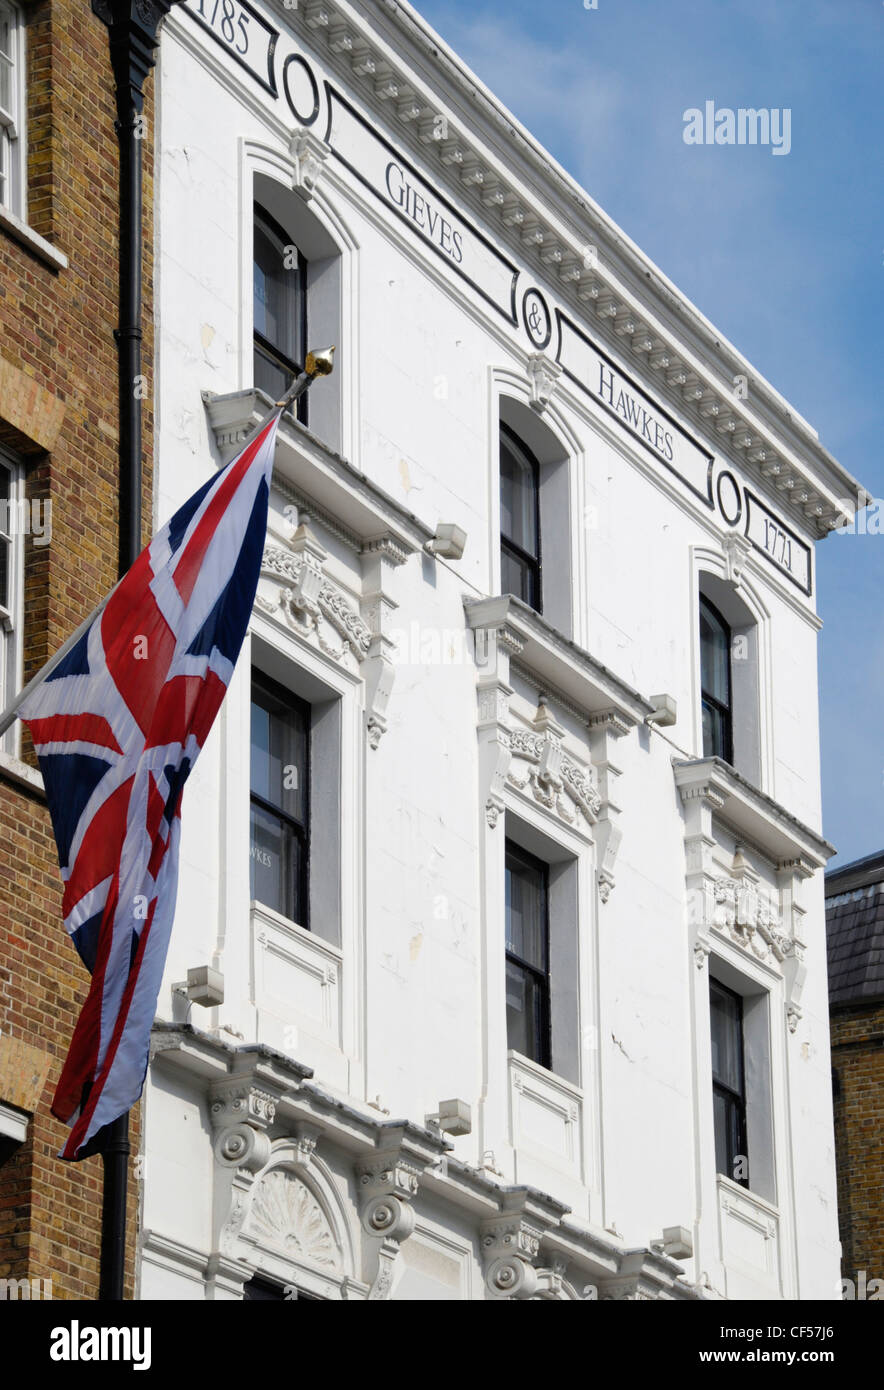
(188, 566)
(79, 1067)
(73, 728)
(99, 855)
(78, 1133)
(138, 642)
(186, 703)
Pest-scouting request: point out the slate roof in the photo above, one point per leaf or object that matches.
(855, 931)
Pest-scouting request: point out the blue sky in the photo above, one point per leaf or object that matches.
(784, 253)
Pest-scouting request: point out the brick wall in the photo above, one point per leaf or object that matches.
(58, 408)
(858, 1066)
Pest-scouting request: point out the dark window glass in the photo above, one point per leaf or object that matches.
(519, 520)
(280, 309)
(280, 794)
(728, 1083)
(260, 1290)
(715, 683)
(527, 955)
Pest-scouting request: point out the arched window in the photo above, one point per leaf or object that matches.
(519, 520)
(715, 683)
(280, 309)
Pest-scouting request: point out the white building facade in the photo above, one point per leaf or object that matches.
(506, 843)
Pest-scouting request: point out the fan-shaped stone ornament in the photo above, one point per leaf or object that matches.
(286, 1214)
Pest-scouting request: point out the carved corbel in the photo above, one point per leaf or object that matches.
(510, 1246)
(543, 376)
(493, 645)
(790, 876)
(380, 560)
(702, 950)
(387, 1185)
(605, 732)
(305, 1141)
(241, 1113)
(737, 550)
(309, 155)
(700, 802)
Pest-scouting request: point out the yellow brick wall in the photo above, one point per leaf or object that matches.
(58, 406)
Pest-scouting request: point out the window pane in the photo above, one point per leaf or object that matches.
(714, 656)
(279, 753)
(269, 376)
(716, 733)
(526, 1029)
(526, 927)
(517, 577)
(277, 297)
(723, 1158)
(518, 497)
(7, 71)
(727, 1039)
(275, 864)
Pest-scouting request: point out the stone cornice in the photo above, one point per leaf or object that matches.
(328, 482)
(407, 75)
(752, 814)
(258, 1091)
(586, 684)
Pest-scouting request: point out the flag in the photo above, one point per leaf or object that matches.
(117, 726)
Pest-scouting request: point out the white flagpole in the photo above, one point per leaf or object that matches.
(318, 364)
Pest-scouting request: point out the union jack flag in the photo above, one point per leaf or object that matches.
(117, 727)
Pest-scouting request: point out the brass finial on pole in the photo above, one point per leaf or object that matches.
(319, 363)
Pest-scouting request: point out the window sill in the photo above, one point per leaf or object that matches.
(14, 770)
(32, 241)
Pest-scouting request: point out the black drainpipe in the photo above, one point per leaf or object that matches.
(133, 29)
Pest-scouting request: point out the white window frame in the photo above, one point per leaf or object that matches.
(13, 144)
(12, 615)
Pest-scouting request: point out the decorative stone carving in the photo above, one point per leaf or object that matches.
(309, 155)
(543, 376)
(245, 1148)
(493, 645)
(311, 603)
(605, 731)
(240, 1102)
(381, 558)
(286, 1214)
(306, 1138)
(510, 1246)
(749, 916)
(386, 1186)
(702, 951)
(554, 778)
(737, 550)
